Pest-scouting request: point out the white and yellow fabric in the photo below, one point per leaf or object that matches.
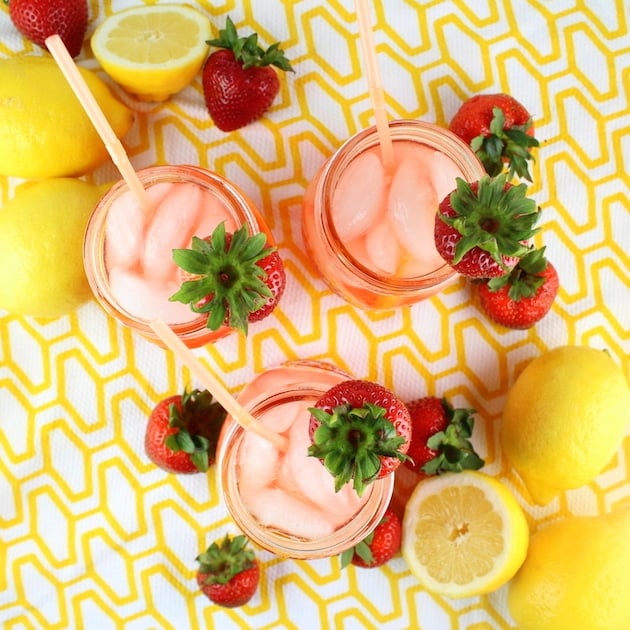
(92, 535)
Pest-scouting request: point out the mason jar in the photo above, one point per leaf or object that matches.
(128, 248)
(393, 261)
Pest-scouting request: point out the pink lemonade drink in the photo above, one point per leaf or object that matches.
(370, 232)
(286, 502)
(128, 249)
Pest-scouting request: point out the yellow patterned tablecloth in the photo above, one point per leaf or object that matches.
(92, 535)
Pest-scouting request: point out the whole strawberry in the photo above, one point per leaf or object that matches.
(182, 432)
(38, 19)
(378, 547)
(525, 295)
(499, 130)
(440, 437)
(481, 229)
(228, 572)
(239, 82)
(360, 431)
(235, 278)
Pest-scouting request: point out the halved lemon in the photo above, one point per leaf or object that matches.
(153, 51)
(464, 534)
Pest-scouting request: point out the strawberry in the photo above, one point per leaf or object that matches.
(525, 295)
(499, 130)
(235, 278)
(38, 19)
(440, 437)
(275, 279)
(239, 82)
(360, 431)
(182, 432)
(228, 572)
(378, 547)
(481, 228)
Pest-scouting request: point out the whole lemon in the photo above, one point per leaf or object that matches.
(564, 418)
(41, 247)
(575, 575)
(44, 131)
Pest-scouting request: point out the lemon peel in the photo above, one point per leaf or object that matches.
(564, 418)
(575, 575)
(44, 130)
(41, 247)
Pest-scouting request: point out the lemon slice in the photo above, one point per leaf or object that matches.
(152, 51)
(464, 534)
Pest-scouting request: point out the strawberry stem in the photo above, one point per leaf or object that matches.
(247, 51)
(227, 283)
(225, 559)
(525, 278)
(198, 426)
(502, 145)
(496, 217)
(350, 441)
(455, 450)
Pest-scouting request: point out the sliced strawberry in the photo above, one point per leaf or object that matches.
(525, 295)
(360, 431)
(239, 82)
(482, 229)
(38, 19)
(228, 572)
(378, 547)
(499, 130)
(234, 278)
(182, 432)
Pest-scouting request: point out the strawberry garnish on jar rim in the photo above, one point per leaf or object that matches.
(235, 278)
(360, 431)
(483, 228)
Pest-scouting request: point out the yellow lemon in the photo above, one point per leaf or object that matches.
(44, 131)
(41, 247)
(153, 51)
(464, 534)
(564, 418)
(575, 575)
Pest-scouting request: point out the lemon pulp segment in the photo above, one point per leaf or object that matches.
(464, 534)
(455, 519)
(153, 38)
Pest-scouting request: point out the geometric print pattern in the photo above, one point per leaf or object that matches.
(92, 535)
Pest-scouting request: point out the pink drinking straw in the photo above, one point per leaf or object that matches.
(374, 83)
(214, 386)
(113, 145)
